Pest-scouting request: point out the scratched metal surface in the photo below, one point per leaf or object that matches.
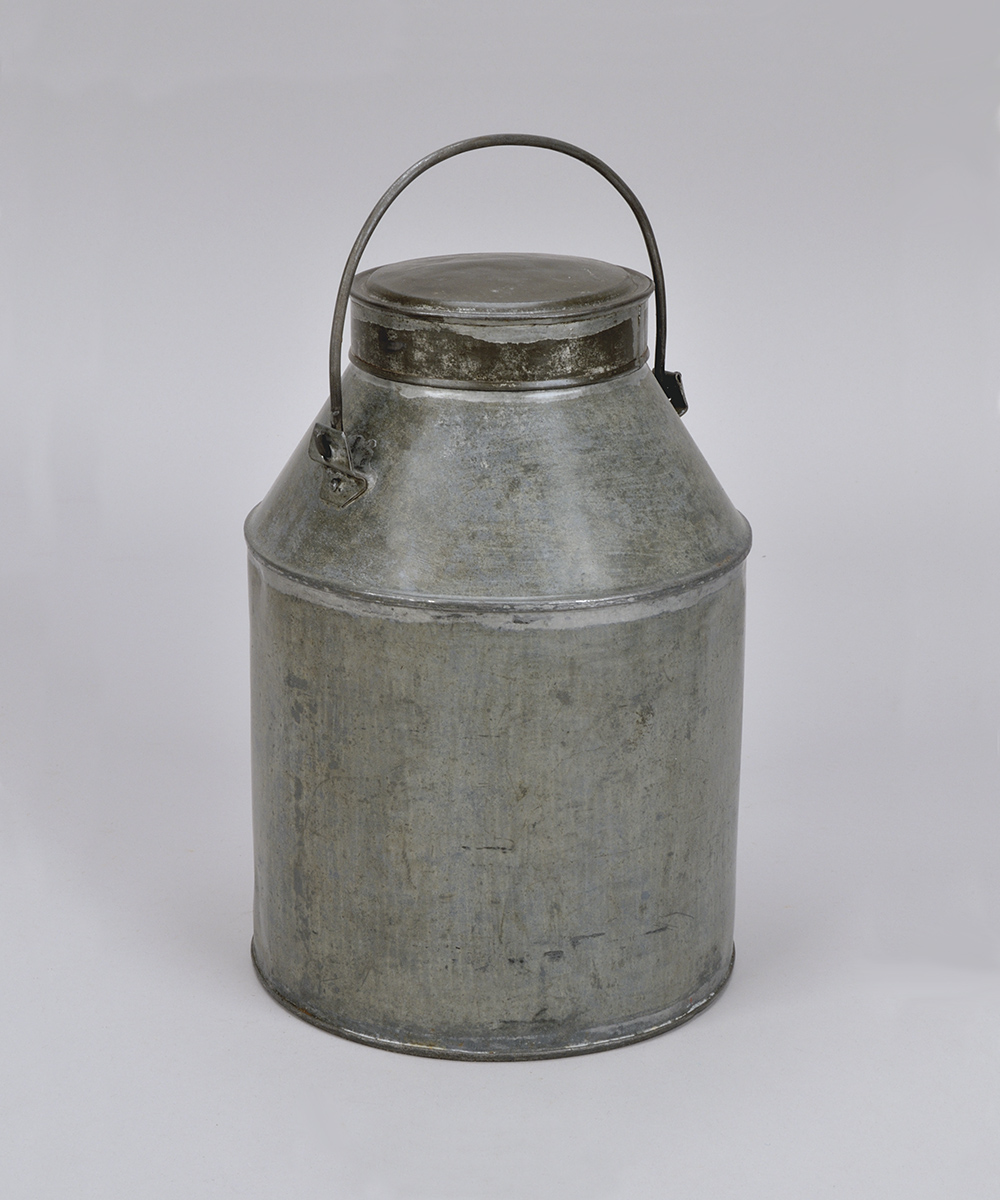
(523, 319)
(496, 715)
(572, 494)
(495, 842)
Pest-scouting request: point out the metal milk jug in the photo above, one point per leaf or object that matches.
(497, 643)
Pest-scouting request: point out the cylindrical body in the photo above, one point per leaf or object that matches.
(496, 699)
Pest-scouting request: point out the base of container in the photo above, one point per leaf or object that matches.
(492, 1049)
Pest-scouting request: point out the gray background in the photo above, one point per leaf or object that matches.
(181, 185)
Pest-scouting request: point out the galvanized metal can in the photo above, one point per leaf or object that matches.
(497, 646)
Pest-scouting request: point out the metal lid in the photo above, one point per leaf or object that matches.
(504, 321)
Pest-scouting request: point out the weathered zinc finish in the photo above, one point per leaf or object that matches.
(497, 615)
(575, 320)
(496, 723)
(495, 842)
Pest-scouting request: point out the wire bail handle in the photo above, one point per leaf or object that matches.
(669, 381)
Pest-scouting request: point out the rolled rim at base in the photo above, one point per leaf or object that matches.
(637, 1029)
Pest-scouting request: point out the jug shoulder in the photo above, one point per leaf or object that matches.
(573, 493)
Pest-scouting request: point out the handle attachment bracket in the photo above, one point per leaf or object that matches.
(344, 483)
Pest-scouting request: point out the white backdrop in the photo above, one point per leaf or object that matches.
(181, 183)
